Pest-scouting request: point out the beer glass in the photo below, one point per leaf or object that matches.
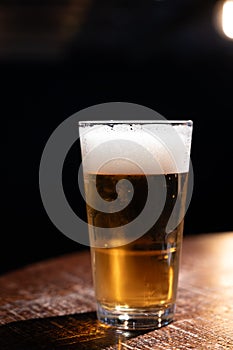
(135, 183)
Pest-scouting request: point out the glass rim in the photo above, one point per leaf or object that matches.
(135, 122)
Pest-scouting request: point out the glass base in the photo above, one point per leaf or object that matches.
(136, 319)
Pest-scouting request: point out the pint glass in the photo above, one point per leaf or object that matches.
(135, 182)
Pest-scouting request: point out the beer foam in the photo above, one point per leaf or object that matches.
(158, 147)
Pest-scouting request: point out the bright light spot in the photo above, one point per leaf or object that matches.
(121, 307)
(227, 18)
(160, 313)
(124, 317)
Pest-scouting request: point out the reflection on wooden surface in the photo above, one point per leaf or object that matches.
(78, 331)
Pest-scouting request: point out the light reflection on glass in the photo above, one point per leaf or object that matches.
(226, 264)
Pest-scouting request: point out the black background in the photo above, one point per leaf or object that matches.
(59, 57)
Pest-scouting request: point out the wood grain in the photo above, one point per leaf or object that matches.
(50, 305)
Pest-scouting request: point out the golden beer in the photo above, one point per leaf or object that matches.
(142, 274)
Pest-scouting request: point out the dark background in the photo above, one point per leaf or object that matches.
(58, 57)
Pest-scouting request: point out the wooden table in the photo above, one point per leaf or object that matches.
(50, 305)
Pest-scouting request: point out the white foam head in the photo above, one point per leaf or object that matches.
(120, 147)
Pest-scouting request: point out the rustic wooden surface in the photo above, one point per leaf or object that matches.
(50, 305)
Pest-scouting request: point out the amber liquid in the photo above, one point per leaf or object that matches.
(144, 273)
(135, 278)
